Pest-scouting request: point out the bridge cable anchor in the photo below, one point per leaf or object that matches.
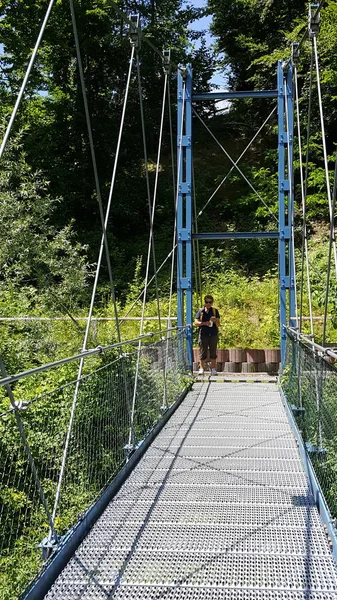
(314, 19)
(295, 53)
(135, 31)
(167, 61)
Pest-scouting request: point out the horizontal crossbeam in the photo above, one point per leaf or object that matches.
(233, 235)
(229, 95)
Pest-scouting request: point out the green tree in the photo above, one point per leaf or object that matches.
(35, 255)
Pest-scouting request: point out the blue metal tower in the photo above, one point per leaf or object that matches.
(284, 233)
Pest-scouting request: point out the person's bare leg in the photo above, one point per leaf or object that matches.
(202, 364)
(213, 363)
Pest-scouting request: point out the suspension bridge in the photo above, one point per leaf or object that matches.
(134, 480)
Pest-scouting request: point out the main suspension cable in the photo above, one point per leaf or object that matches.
(331, 238)
(150, 247)
(196, 246)
(326, 166)
(291, 250)
(305, 254)
(151, 206)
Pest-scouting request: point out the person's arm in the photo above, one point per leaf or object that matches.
(198, 320)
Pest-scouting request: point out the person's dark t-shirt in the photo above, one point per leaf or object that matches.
(202, 315)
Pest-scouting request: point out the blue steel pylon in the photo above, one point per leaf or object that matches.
(284, 96)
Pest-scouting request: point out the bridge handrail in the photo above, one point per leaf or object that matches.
(82, 355)
(307, 340)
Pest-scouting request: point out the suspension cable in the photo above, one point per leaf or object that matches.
(152, 205)
(305, 254)
(237, 161)
(292, 266)
(196, 246)
(94, 164)
(124, 317)
(25, 80)
(331, 214)
(72, 414)
(234, 165)
(331, 238)
(150, 246)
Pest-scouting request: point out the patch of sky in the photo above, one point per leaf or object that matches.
(219, 79)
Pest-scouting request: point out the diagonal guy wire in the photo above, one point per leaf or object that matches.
(234, 164)
(237, 162)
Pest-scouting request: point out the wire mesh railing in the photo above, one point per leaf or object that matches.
(96, 450)
(310, 384)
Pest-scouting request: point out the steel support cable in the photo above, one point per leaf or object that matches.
(329, 257)
(150, 249)
(72, 414)
(124, 317)
(305, 254)
(196, 246)
(237, 161)
(94, 164)
(317, 375)
(152, 205)
(326, 166)
(26, 77)
(292, 266)
(153, 211)
(174, 187)
(29, 454)
(234, 165)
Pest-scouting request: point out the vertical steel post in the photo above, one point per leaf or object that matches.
(184, 205)
(283, 188)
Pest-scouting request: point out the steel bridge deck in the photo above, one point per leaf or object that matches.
(219, 508)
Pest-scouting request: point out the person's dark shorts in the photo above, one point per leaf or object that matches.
(205, 342)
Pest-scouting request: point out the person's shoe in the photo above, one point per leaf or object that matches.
(201, 371)
(214, 372)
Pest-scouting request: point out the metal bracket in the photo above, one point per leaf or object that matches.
(298, 411)
(295, 53)
(167, 61)
(314, 18)
(49, 546)
(184, 188)
(285, 283)
(320, 452)
(285, 233)
(184, 235)
(185, 283)
(183, 71)
(128, 448)
(135, 31)
(185, 141)
(284, 185)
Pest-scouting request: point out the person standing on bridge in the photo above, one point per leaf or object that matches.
(208, 321)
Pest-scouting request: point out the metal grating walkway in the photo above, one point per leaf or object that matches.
(218, 508)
